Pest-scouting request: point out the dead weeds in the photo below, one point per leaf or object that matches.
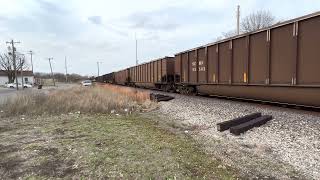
(104, 100)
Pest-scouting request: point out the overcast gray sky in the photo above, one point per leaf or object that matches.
(99, 30)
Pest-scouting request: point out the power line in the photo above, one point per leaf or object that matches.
(14, 60)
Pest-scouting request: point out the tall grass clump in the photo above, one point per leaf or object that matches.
(138, 95)
(85, 100)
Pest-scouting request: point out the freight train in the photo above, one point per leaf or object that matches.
(278, 64)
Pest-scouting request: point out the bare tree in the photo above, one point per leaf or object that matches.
(256, 21)
(252, 22)
(229, 34)
(6, 65)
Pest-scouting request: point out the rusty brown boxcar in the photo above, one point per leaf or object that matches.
(277, 64)
(156, 74)
(108, 78)
(122, 77)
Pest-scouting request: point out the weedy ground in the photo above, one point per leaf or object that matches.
(100, 146)
(80, 144)
(100, 99)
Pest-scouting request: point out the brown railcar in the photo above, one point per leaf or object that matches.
(108, 78)
(157, 74)
(122, 77)
(277, 64)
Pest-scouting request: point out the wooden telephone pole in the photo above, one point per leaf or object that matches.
(31, 53)
(65, 65)
(54, 83)
(14, 60)
(238, 19)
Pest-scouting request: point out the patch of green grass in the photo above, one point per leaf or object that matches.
(126, 147)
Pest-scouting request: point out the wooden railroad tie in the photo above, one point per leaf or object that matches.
(234, 122)
(160, 97)
(237, 130)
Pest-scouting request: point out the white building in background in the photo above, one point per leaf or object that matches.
(27, 77)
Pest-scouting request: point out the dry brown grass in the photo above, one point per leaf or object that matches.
(135, 94)
(106, 99)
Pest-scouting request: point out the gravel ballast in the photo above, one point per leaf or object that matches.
(286, 147)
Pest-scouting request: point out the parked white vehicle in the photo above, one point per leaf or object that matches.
(13, 85)
(86, 83)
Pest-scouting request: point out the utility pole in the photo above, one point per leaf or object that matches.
(98, 63)
(238, 19)
(65, 64)
(135, 35)
(21, 64)
(54, 83)
(31, 53)
(14, 60)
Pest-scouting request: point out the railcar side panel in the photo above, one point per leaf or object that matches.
(193, 71)
(151, 72)
(177, 68)
(283, 54)
(240, 61)
(170, 69)
(225, 62)
(164, 70)
(213, 61)
(149, 69)
(155, 69)
(144, 67)
(309, 52)
(139, 73)
(258, 58)
(185, 68)
(202, 65)
(159, 71)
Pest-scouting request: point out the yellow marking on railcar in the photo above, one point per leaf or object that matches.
(245, 77)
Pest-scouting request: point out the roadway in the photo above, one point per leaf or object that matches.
(5, 93)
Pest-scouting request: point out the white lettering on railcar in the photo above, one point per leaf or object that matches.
(200, 63)
(194, 69)
(194, 63)
(202, 68)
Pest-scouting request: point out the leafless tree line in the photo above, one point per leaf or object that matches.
(60, 77)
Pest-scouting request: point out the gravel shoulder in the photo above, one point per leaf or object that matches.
(287, 147)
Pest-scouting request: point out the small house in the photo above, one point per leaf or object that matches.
(26, 77)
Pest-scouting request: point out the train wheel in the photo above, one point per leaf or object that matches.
(190, 90)
(182, 90)
(167, 88)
